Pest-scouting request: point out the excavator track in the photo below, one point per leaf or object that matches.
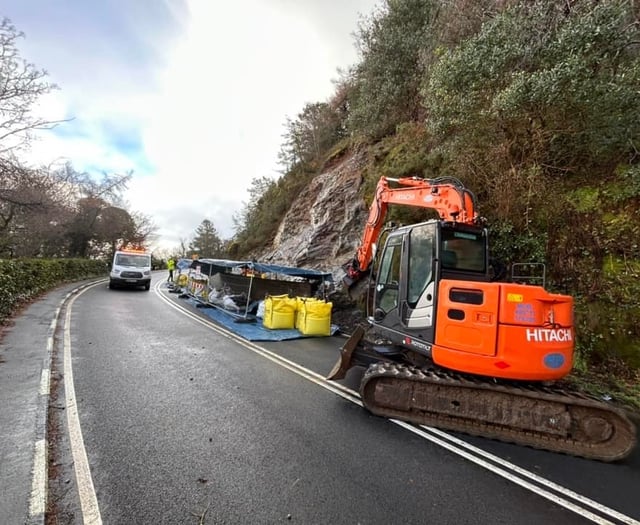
(526, 414)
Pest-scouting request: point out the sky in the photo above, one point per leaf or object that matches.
(190, 96)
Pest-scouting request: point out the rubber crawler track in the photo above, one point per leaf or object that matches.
(531, 415)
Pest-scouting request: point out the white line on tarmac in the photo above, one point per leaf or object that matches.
(534, 477)
(507, 475)
(44, 382)
(86, 491)
(39, 481)
(451, 443)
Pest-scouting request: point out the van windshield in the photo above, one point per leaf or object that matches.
(131, 259)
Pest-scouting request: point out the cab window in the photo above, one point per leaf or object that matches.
(389, 275)
(420, 261)
(463, 251)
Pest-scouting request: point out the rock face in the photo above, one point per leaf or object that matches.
(322, 230)
(324, 224)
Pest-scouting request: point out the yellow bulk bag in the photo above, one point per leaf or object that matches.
(182, 279)
(298, 313)
(316, 319)
(301, 310)
(279, 311)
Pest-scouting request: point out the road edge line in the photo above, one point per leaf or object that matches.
(37, 505)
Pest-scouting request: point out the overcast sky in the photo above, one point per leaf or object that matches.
(190, 95)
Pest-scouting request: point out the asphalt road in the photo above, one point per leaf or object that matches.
(183, 423)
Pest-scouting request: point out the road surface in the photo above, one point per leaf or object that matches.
(180, 421)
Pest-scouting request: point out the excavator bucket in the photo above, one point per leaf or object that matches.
(345, 361)
(358, 289)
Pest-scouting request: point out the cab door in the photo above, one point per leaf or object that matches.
(388, 277)
(405, 286)
(417, 309)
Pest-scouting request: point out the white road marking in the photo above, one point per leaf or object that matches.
(39, 485)
(38, 496)
(44, 382)
(538, 479)
(506, 475)
(39, 480)
(86, 491)
(455, 445)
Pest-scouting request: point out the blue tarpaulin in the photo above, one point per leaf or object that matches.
(183, 264)
(250, 328)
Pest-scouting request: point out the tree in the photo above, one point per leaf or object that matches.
(21, 85)
(33, 205)
(144, 229)
(393, 43)
(554, 82)
(82, 227)
(115, 227)
(46, 211)
(316, 128)
(543, 92)
(247, 217)
(257, 224)
(207, 242)
(89, 231)
(182, 247)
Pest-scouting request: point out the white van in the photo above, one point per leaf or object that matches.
(130, 268)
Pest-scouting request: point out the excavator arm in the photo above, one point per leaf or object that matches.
(447, 196)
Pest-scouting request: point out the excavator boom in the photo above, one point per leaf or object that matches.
(447, 196)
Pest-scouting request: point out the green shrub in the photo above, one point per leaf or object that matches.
(24, 279)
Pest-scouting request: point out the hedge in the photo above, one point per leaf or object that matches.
(24, 279)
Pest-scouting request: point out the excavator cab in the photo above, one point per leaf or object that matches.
(409, 267)
(433, 298)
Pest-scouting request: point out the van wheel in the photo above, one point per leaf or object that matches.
(147, 286)
(111, 286)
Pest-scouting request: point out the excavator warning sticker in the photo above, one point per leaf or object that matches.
(515, 297)
(525, 313)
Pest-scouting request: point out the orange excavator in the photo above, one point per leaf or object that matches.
(447, 345)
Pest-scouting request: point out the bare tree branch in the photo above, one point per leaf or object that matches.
(21, 86)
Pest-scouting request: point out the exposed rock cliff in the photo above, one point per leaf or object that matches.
(324, 224)
(322, 230)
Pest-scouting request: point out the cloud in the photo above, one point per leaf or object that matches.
(191, 96)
